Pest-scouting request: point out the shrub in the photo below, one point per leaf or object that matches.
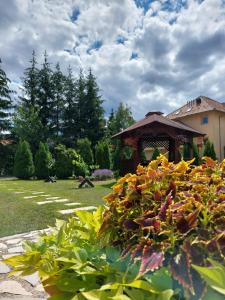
(23, 163)
(43, 161)
(102, 155)
(102, 174)
(155, 154)
(116, 157)
(84, 149)
(169, 215)
(196, 155)
(68, 163)
(186, 154)
(213, 153)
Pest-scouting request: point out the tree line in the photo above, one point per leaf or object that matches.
(56, 109)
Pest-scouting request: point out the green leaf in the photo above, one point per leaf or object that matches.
(70, 283)
(214, 276)
(160, 279)
(121, 297)
(213, 295)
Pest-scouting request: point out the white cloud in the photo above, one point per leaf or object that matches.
(180, 52)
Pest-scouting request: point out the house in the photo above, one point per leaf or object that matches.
(155, 130)
(207, 116)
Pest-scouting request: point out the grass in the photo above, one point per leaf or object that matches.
(19, 215)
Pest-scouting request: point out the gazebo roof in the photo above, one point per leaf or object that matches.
(157, 117)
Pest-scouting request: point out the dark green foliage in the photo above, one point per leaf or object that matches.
(84, 149)
(93, 114)
(155, 154)
(43, 160)
(5, 101)
(196, 155)
(103, 155)
(213, 153)
(120, 119)
(58, 87)
(31, 83)
(70, 113)
(186, 152)
(7, 153)
(23, 164)
(116, 156)
(209, 150)
(68, 162)
(27, 126)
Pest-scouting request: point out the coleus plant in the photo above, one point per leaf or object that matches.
(72, 264)
(170, 215)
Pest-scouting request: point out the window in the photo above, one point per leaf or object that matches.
(205, 120)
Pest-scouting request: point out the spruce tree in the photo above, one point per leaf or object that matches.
(31, 83)
(94, 113)
(70, 113)
(85, 150)
(28, 126)
(45, 96)
(43, 161)
(102, 155)
(23, 163)
(155, 153)
(5, 102)
(212, 151)
(82, 117)
(185, 153)
(58, 94)
(196, 155)
(207, 149)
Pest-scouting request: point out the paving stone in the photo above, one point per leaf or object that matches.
(45, 202)
(52, 198)
(71, 211)
(73, 204)
(30, 197)
(4, 269)
(32, 279)
(3, 246)
(13, 287)
(13, 241)
(5, 256)
(18, 249)
(36, 193)
(61, 200)
(39, 288)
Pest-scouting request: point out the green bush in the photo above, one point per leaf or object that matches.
(155, 154)
(85, 150)
(186, 152)
(7, 154)
(213, 152)
(196, 155)
(43, 161)
(69, 162)
(209, 150)
(23, 163)
(103, 155)
(116, 157)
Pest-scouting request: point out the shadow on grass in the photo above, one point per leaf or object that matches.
(107, 185)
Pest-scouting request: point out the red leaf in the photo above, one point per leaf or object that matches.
(165, 206)
(130, 225)
(151, 260)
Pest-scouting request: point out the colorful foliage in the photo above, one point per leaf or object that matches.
(170, 215)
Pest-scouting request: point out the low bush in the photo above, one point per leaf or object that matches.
(23, 163)
(102, 174)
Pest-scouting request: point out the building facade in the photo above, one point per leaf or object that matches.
(207, 116)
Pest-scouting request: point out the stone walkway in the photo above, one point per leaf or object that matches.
(28, 287)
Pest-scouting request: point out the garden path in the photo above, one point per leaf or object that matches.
(28, 287)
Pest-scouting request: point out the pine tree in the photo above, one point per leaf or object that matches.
(58, 89)
(23, 163)
(84, 149)
(81, 107)
(70, 117)
(155, 154)
(196, 155)
(31, 83)
(43, 161)
(5, 102)
(45, 97)
(94, 114)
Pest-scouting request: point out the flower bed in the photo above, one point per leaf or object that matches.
(102, 174)
(161, 237)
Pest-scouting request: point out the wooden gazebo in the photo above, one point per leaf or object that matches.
(153, 131)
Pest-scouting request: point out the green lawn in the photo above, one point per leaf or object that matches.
(19, 215)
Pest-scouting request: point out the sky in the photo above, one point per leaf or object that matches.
(151, 55)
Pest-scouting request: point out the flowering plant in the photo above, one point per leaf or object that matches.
(102, 174)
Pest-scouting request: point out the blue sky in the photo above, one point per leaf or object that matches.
(151, 55)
